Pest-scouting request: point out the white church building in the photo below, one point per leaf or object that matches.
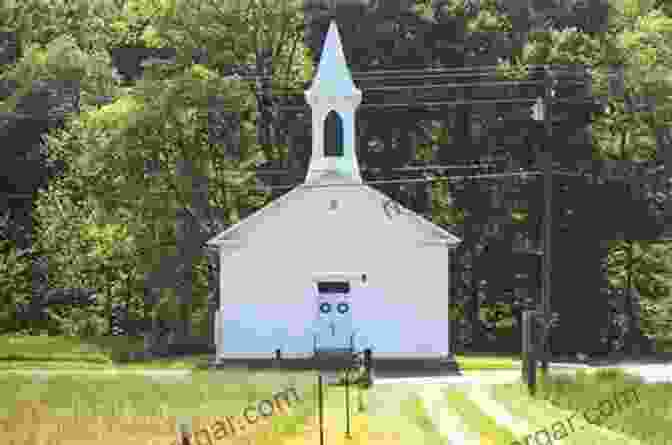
(330, 265)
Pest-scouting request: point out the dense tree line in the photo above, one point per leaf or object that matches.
(124, 185)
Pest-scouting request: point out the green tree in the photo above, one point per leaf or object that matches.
(638, 40)
(641, 36)
(60, 59)
(158, 127)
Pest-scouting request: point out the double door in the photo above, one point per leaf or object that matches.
(333, 324)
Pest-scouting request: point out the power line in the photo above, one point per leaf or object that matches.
(380, 181)
(500, 83)
(422, 74)
(481, 68)
(523, 174)
(492, 162)
(454, 103)
(383, 169)
(414, 180)
(457, 178)
(423, 71)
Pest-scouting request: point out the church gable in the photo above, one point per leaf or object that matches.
(336, 212)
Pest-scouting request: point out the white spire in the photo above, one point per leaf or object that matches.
(333, 75)
(332, 89)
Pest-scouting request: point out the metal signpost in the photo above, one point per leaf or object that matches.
(327, 368)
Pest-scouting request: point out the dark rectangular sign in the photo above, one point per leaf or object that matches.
(333, 287)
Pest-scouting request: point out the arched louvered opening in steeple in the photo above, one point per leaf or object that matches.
(333, 134)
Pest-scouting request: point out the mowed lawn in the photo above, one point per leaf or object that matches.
(57, 352)
(47, 352)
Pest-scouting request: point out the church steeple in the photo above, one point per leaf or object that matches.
(333, 98)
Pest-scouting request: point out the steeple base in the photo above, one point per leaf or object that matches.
(327, 176)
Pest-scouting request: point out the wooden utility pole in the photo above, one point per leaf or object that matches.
(541, 113)
(548, 214)
(546, 280)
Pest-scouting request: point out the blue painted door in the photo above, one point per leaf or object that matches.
(334, 316)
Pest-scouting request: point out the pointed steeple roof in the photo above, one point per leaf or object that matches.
(333, 75)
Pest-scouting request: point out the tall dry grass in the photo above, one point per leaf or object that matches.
(32, 423)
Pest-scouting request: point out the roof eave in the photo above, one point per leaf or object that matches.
(450, 243)
(216, 244)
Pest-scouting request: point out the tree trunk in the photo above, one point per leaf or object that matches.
(25, 237)
(473, 311)
(39, 289)
(183, 288)
(190, 238)
(152, 297)
(634, 333)
(184, 294)
(628, 295)
(213, 293)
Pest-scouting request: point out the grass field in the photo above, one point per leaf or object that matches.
(78, 409)
(143, 406)
(46, 352)
(64, 409)
(649, 420)
(69, 408)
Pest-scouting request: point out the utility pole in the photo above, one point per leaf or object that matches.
(546, 280)
(541, 113)
(548, 214)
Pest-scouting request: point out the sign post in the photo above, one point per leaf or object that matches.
(184, 430)
(529, 351)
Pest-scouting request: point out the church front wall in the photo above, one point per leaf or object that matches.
(268, 299)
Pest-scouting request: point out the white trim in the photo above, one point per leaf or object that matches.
(221, 238)
(234, 243)
(448, 293)
(218, 334)
(300, 355)
(345, 276)
(328, 103)
(436, 242)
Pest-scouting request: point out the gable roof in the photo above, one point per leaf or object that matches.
(254, 217)
(438, 233)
